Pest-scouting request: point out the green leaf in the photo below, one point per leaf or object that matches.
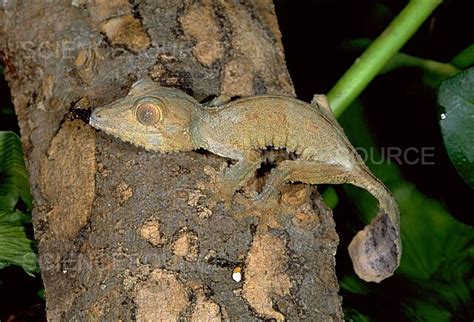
(432, 237)
(352, 315)
(13, 175)
(456, 101)
(353, 284)
(426, 311)
(15, 246)
(40, 294)
(330, 197)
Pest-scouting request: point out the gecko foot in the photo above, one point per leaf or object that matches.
(221, 191)
(255, 204)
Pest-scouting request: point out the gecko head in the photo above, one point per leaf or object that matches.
(153, 117)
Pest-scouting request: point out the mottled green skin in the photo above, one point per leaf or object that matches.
(240, 129)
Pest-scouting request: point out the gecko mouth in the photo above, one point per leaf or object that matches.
(94, 123)
(96, 120)
(124, 134)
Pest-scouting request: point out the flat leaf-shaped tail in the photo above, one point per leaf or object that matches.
(376, 250)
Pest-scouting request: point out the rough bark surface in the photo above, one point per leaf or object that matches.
(125, 234)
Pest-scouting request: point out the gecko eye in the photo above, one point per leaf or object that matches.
(149, 113)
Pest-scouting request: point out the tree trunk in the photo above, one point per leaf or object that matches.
(126, 234)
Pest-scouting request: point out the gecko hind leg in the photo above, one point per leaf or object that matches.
(311, 172)
(226, 183)
(375, 251)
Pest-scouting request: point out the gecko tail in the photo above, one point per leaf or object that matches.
(376, 250)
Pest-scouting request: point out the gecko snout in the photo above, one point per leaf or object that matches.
(96, 114)
(95, 117)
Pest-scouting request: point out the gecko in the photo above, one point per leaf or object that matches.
(164, 119)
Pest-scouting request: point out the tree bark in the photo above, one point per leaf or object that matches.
(126, 234)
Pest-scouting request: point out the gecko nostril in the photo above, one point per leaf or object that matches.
(98, 115)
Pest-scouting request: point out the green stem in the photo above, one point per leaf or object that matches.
(372, 61)
(431, 68)
(465, 58)
(427, 65)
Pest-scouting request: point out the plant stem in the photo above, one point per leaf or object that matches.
(427, 65)
(434, 70)
(465, 58)
(372, 61)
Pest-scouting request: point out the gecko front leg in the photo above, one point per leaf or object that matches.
(217, 102)
(226, 182)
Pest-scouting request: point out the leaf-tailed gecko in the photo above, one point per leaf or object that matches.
(168, 120)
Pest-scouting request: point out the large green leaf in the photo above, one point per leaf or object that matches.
(438, 251)
(456, 101)
(13, 175)
(15, 246)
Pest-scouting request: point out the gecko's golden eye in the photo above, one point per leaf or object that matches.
(149, 113)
